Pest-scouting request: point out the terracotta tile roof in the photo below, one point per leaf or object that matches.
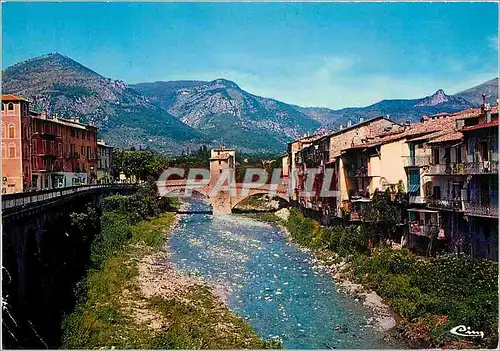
(447, 137)
(11, 97)
(470, 113)
(422, 131)
(481, 126)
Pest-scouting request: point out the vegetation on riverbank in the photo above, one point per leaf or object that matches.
(119, 308)
(431, 295)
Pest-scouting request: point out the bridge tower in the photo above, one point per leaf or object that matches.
(222, 168)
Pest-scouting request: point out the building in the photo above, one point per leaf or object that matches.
(332, 154)
(104, 165)
(454, 186)
(447, 163)
(43, 152)
(16, 167)
(64, 152)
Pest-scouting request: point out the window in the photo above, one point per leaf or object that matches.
(82, 149)
(72, 132)
(25, 109)
(414, 181)
(34, 148)
(2, 107)
(59, 149)
(435, 156)
(4, 151)
(88, 136)
(12, 150)
(83, 135)
(483, 149)
(459, 154)
(77, 133)
(26, 150)
(52, 151)
(10, 106)
(447, 155)
(219, 162)
(436, 192)
(4, 130)
(44, 146)
(12, 130)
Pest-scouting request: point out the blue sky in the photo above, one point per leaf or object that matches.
(311, 54)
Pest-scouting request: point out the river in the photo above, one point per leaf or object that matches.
(270, 282)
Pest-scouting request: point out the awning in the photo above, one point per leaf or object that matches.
(413, 188)
(421, 210)
(361, 200)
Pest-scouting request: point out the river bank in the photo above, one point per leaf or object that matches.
(132, 298)
(271, 283)
(421, 298)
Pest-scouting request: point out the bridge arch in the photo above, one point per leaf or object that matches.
(239, 199)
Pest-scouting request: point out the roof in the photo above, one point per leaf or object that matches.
(11, 97)
(102, 143)
(447, 137)
(371, 120)
(481, 126)
(425, 130)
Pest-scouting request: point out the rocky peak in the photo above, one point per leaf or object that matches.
(440, 97)
(224, 83)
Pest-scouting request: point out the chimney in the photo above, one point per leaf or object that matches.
(483, 105)
(341, 127)
(361, 119)
(349, 123)
(408, 122)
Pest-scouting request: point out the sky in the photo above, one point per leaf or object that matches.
(310, 54)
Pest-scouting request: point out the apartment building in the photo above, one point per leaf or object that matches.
(454, 185)
(16, 167)
(43, 152)
(104, 166)
(327, 153)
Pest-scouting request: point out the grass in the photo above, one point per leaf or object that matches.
(431, 295)
(102, 318)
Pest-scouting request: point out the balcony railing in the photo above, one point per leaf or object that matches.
(361, 171)
(74, 155)
(456, 205)
(416, 161)
(427, 230)
(483, 167)
(475, 209)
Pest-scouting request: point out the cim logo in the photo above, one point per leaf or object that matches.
(462, 330)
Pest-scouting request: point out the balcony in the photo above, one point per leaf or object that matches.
(427, 230)
(474, 209)
(448, 169)
(48, 154)
(445, 204)
(72, 155)
(361, 171)
(483, 167)
(91, 157)
(416, 161)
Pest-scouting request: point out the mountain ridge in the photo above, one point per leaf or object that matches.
(174, 115)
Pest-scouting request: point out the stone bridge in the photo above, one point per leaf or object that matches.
(224, 200)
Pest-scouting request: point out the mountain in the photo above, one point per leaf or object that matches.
(474, 95)
(223, 111)
(175, 115)
(399, 110)
(124, 116)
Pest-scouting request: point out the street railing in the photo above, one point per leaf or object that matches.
(27, 198)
